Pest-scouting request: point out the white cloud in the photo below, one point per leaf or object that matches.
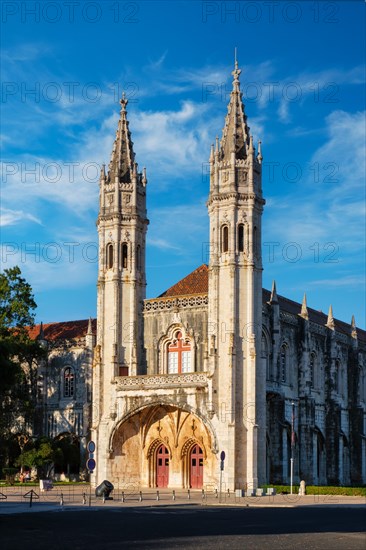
(12, 217)
(330, 205)
(349, 281)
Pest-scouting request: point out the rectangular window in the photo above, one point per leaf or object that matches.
(186, 361)
(172, 362)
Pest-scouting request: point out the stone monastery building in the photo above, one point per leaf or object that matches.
(216, 363)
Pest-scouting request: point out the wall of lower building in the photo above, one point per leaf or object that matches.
(325, 381)
(66, 411)
(329, 404)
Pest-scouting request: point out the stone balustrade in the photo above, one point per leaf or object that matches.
(185, 380)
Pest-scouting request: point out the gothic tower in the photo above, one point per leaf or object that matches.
(235, 206)
(122, 228)
(122, 225)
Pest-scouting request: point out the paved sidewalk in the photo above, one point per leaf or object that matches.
(74, 500)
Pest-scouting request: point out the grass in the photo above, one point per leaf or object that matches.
(318, 490)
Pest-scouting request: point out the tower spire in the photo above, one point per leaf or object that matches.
(235, 134)
(123, 156)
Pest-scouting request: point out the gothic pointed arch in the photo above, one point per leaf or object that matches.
(206, 423)
(191, 442)
(192, 445)
(155, 445)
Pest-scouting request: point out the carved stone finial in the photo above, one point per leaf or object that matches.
(123, 101)
(236, 73)
(259, 156)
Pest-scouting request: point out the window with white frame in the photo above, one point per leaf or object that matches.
(179, 354)
(172, 362)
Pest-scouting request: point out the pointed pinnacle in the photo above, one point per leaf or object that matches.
(274, 297)
(217, 144)
(353, 328)
(330, 321)
(259, 156)
(212, 152)
(144, 178)
(41, 332)
(304, 308)
(90, 327)
(251, 148)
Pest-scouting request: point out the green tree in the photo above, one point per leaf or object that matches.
(41, 456)
(19, 356)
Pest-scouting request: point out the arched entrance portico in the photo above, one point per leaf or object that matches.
(162, 446)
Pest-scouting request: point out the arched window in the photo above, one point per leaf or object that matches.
(124, 255)
(138, 257)
(240, 237)
(179, 354)
(361, 384)
(69, 382)
(339, 380)
(312, 370)
(283, 363)
(224, 238)
(265, 357)
(109, 256)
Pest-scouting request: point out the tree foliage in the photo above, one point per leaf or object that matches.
(46, 454)
(41, 456)
(17, 305)
(19, 357)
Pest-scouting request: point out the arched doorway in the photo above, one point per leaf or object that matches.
(162, 466)
(196, 467)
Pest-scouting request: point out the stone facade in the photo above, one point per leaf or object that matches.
(64, 383)
(216, 363)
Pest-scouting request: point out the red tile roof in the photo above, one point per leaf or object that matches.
(194, 283)
(197, 282)
(68, 330)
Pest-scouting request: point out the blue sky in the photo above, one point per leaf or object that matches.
(303, 82)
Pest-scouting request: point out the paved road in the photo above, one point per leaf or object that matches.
(187, 526)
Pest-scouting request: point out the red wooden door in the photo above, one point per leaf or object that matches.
(162, 467)
(196, 472)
